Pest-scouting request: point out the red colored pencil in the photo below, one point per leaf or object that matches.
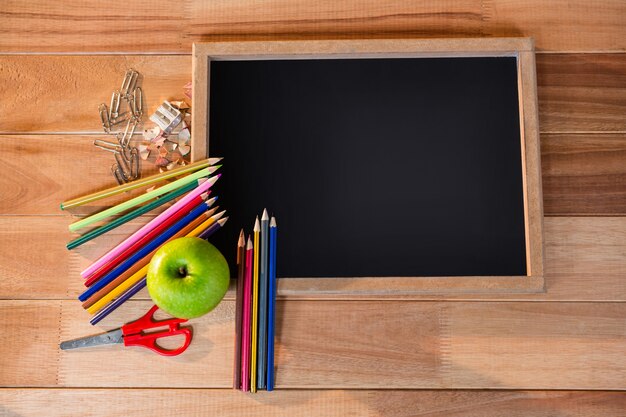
(238, 310)
(246, 318)
(107, 267)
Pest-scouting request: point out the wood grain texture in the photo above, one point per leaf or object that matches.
(585, 260)
(165, 27)
(89, 26)
(30, 356)
(374, 344)
(584, 174)
(290, 403)
(582, 92)
(48, 169)
(75, 85)
(577, 92)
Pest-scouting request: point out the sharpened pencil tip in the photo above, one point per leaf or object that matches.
(249, 245)
(257, 227)
(211, 201)
(222, 221)
(273, 222)
(265, 216)
(242, 240)
(219, 215)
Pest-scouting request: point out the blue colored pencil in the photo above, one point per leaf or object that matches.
(271, 309)
(133, 214)
(109, 308)
(261, 373)
(171, 231)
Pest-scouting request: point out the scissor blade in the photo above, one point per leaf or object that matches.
(108, 338)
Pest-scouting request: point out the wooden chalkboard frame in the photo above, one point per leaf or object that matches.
(400, 287)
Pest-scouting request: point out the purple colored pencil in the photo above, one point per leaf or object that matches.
(118, 301)
(213, 228)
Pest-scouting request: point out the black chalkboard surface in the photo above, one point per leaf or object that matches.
(373, 167)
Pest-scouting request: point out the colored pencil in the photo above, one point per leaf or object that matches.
(121, 300)
(271, 308)
(118, 302)
(120, 289)
(206, 224)
(142, 198)
(214, 228)
(238, 310)
(148, 226)
(133, 214)
(107, 267)
(139, 183)
(192, 229)
(255, 306)
(162, 238)
(262, 345)
(247, 307)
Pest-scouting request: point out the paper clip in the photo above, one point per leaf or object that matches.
(124, 140)
(115, 170)
(129, 81)
(104, 117)
(107, 146)
(114, 108)
(135, 103)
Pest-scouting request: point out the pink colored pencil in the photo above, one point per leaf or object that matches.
(149, 226)
(245, 320)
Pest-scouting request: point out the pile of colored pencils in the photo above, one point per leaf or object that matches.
(121, 272)
(255, 314)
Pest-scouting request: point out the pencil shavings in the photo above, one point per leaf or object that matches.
(151, 134)
(184, 149)
(180, 105)
(144, 152)
(162, 162)
(184, 136)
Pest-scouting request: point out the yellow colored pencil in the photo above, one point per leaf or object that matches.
(139, 183)
(255, 305)
(117, 291)
(137, 276)
(205, 224)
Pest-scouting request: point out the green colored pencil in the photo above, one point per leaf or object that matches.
(176, 172)
(133, 214)
(140, 199)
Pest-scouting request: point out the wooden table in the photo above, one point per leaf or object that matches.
(556, 353)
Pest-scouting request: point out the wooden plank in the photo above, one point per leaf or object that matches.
(374, 345)
(42, 26)
(585, 260)
(75, 86)
(289, 403)
(577, 92)
(582, 92)
(30, 354)
(584, 174)
(48, 169)
(562, 25)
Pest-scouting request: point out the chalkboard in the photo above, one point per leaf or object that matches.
(374, 167)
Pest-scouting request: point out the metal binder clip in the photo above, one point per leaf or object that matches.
(167, 117)
(129, 81)
(104, 117)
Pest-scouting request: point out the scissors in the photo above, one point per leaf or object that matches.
(133, 334)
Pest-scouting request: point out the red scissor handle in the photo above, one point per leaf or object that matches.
(134, 334)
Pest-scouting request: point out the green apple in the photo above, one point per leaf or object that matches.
(188, 277)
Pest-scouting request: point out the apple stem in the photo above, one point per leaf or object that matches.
(182, 271)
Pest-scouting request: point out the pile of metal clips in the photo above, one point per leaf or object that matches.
(126, 167)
